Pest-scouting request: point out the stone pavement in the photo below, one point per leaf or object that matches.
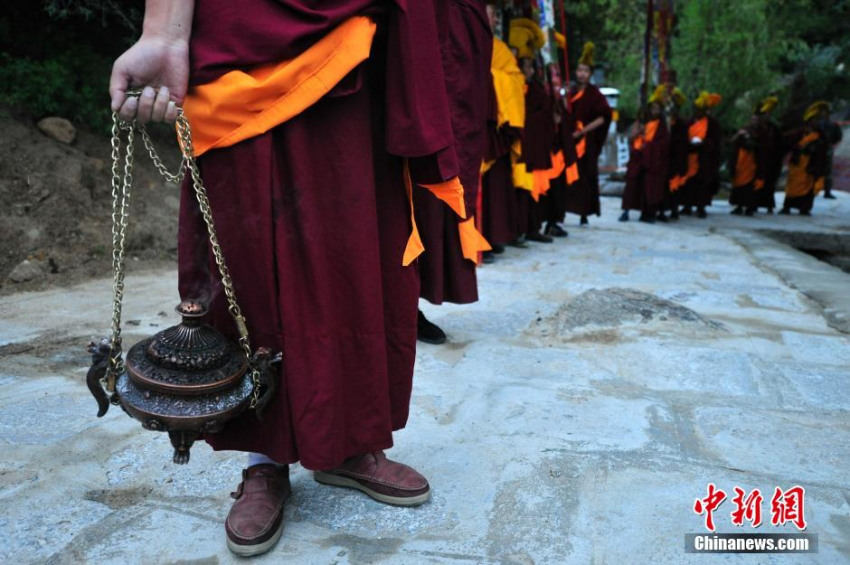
(575, 415)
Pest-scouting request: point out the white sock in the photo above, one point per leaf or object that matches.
(260, 459)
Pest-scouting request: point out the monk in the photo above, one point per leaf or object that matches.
(504, 132)
(447, 267)
(554, 203)
(702, 180)
(593, 117)
(526, 38)
(537, 147)
(808, 165)
(746, 166)
(646, 173)
(677, 163)
(308, 185)
(771, 149)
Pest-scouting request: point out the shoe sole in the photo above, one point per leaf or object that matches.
(345, 482)
(255, 549)
(440, 341)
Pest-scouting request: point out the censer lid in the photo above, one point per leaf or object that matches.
(190, 358)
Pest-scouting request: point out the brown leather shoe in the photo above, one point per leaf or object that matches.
(384, 480)
(255, 521)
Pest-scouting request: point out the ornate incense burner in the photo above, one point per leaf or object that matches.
(187, 380)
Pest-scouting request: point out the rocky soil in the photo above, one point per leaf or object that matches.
(55, 204)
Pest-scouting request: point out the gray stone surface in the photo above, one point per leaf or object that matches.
(28, 269)
(575, 415)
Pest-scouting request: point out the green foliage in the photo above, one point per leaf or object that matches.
(124, 14)
(747, 49)
(616, 27)
(743, 49)
(56, 56)
(72, 85)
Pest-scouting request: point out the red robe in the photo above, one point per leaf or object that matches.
(466, 43)
(678, 163)
(313, 220)
(771, 147)
(586, 106)
(807, 169)
(498, 214)
(646, 174)
(700, 189)
(746, 167)
(537, 143)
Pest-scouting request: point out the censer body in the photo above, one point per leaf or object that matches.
(187, 380)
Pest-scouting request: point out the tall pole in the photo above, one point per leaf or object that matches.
(647, 43)
(566, 68)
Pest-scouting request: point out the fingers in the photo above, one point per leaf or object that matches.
(171, 112)
(146, 102)
(118, 83)
(127, 111)
(151, 106)
(160, 105)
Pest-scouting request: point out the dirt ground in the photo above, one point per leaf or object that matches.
(55, 205)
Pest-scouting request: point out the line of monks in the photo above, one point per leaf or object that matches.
(539, 160)
(674, 165)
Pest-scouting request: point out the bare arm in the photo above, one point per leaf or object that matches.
(158, 63)
(590, 127)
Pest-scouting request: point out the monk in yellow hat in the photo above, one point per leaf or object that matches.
(702, 180)
(808, 166)
(677, 167)
(593, 117)
(772, 148)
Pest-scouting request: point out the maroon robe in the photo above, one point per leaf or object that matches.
(583, 196)
(466, 48)
(537, 143)
(498, 213)
(771, 147)
(646, 173)
(313, 220)
(745, 195)
(818, 153)
(700, 190)
(678, 161)
(554, 203)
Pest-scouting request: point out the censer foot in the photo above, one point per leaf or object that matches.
(182, 442)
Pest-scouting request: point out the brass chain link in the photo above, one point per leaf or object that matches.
(120, 211)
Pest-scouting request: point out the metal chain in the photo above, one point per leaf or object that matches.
(120, 211)
(121, 188)
(184, 134)
(163, 170)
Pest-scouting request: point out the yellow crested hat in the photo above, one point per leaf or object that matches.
(561, 40)
(813, 111)
(707, 100)
(662, 94)
(678, 97)
(659, 94)
(768, 105)
(587, 54)
(526, 36)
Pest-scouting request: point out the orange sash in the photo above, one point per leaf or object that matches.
(698, 129)
(243, 104)
(581, 146)
(745, 168)
(800, 182)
